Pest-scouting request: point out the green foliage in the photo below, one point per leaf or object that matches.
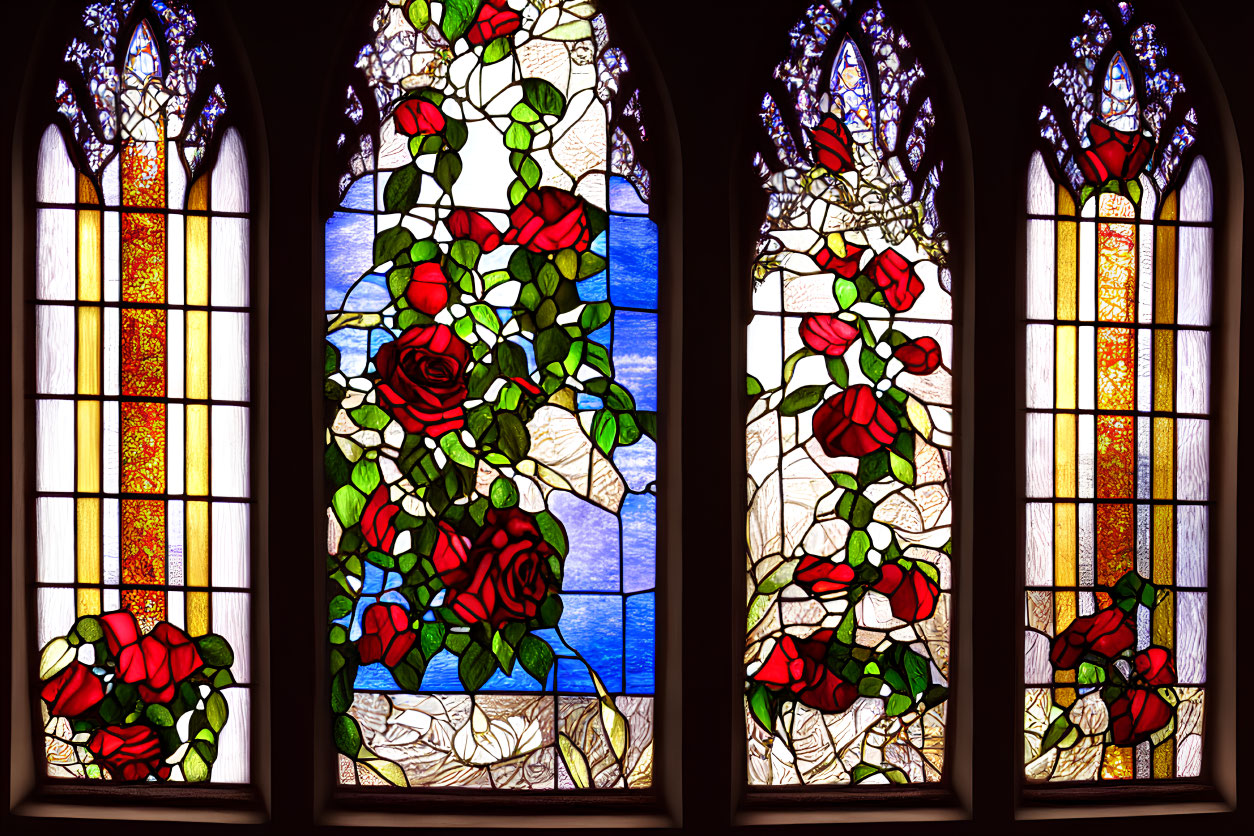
(458, 15)
(475, 666)
(536, 657)
(802, 399)
(347, 735)
(402, 190)
(215, 651)
(543, 97)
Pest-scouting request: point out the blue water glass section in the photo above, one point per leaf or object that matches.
(592, 534)
(625, 198)
(641, 630)
(593, 625)
(370, 295)
(360, 194)
(352, 345)
(637, 463)
(633, 262)
(349, 252)
(635, 356)
(639, 516)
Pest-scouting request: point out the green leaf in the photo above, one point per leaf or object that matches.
(486, 317)
(504, 652)
(366, 475)
(514, 441)
(551, 346)
(407, 674)
(342, 688)
(802, 399)
(451, 444)
(567, 262)
(648, 423)
(605, 430)
(753, 386)
(456, 134)
(536, 657)
(504, 493)
(340, 606)
(548, 280)
(216, 711)
(1134, 191)
(391, 243)
(543, 97)
(159, 715)
(215, 651)
(370, 417)
(777, 580)
(872, 467)
(903, 470)
(797, 356)
(448, 167)
(838, 369)
(846, 293)
(347, 735)
(348, 503)
(431, 638)
(859, 545)
(458, 15)
(590, 264)
(575, 760)
(517, 137)
(465, 253)
(475, 666)
(401, 192)
(872, 365)
(424, 250)
(554, 533)
(195, 769)
(419, 14)
(594, 316)
(762, 704)
(845, 481)
(331, 364)
(89, 629)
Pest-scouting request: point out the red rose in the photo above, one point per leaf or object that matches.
(158, 662)
(422, 379)
(1107, 633)
(130, 753)
(120, 630)
(507, 576)
(846, 267)
(896, 277)
(853, 423)
(798, 666)
(548, 220)
(911, 593)
(1155, 666)
(1112, 153)
(463, 223)
(827, 334)
(833, 147)
(1136, 715)
(451, 550)
(427, 290)
(419, 117)
(822, 576)
(385, 634)
(376, 520)
(921, 356)
(495, 19)
(73, 691)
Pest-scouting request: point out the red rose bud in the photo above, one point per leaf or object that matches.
(1106, 633)
(130, 753)
(495, 20)
(1113, 154)
(853, 423)
(427, 290)
(921, 356)
(508, 576)
(451, 550)
(465, 224)
(385, 634)
(827, 334)
(1136, 715)
(376, 520)
(548, 220)
(798, 666)
(1155, 666)
(120, 630)
(847, 266)
(419, 117)
(158, 662)
(73, 691)
(833, 147)
(422, 379)
(911, 593)
(896, 277)
(821, 577)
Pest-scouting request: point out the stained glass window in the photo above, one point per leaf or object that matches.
(1117, 426)
(850, 425)
(141, 405)
(491, 383)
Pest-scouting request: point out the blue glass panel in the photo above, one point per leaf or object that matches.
(639, 542)
(593, 625)
(592, 532)
(637, 463)
(635, 356)
(376, 677)
(352, 345)
(633, 262)
(360, 195)
(594, 288)
(369, 295)
(349, 245)
(625, 198)
(641, 626)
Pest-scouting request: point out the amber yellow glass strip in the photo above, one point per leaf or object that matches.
(1118, 763)
(1165, 266)
(1165, 759)
(1064, 546)
(88, 243)
(1164, 458)
(198, 245)
(87, 557)
(1164, 370)
(1164, 620)
(197, 384)
(88, 446)
(197, 450)
(1164, 523)
(1064, 456)
(1064, 366)
(89, 351)
(197, 567)
(1067, 251)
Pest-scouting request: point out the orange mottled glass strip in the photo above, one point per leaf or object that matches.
(143, 234)
(143, 559)
(1116, 368)
(1116, 261)
(1116, 456)
(143, 352)
(1116, 541)
(143, 447)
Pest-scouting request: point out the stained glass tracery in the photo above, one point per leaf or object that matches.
(141, 403)
(491, 378)
(1117, 426)
(850, 426)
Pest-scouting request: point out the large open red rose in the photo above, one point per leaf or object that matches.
(1135, 715)
(827, 334)
(1155, 666)
(130, 753)
(385, 634)
(833, 147)
(844, 266)
(120, 629)
(427, 290)
(853, 423)
(419, 117)
(821, 577)
(798, 666)
(495, 19)
(422, 379)
(73, 691)
(548, 220)
(158, 662)
(921, 356)
(1113, 154)
(911, 593)
(896, 278)
(376, 520)
(466, 224)
(1106, 633)
(507, 576)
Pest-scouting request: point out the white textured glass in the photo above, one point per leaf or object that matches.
(229, 443)
(111, 341)
(112, 264)
(56, 609)
(229, 247)
(176, 180)
(1040, 363)
(1040, 544)
(1040, 455)
(1194, 292)
(54, 349)
(230, 544)
(54, 446)
(1193, 371)
(175, 353)
(55, 270)
(230, 175)
(175, 446)
(110, 438)
(230, 620)
(54, 533)
(1192, 532)
(1196, 198)
(1192, 458)
(1041, 188)
(55, 183)
(1041, 259)
(229, 356)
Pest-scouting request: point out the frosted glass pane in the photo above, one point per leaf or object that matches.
(1191, 637)
(54, 527)
(1085, 439)
(111, 557)
(232, 767)
(175, 448)
(112, 257)
(110, 439)
(54, 354)
(1036, 667)
(230, 620)
(229, 191)
(1195, 275)
(1086, 367)
(1088, 266)
(1041, 259)
(112, 340)
(765, 350)
(1144, 369)
(229, 267)
(55, 183)
(1040, 544)
(1193, 371)
(230, 451)
(55, 254)
(1040, 455)
(1041, 189)
(176, 187)
(176, 263)
(1196, 200)
(1192, 458)
(111, 184)
(175, 353)
(228, 371)
(175, 542)
(54, 446)
(1040, 363)
(1191, 544)
(230, 544)
(56, 612)
(1085, 523)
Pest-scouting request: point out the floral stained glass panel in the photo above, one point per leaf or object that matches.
(491, 383)
(141, 405)
(850, 425)
(1117, 424)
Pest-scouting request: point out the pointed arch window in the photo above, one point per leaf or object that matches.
(492, 397)
(850, 427)
(1119, 290)
(141, 402)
